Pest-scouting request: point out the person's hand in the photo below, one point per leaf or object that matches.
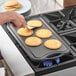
(11, 16)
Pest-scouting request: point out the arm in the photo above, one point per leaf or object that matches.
(14, 17)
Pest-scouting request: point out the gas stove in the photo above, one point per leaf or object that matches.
(63, 25)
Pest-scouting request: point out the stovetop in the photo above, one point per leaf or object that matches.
(64, 24)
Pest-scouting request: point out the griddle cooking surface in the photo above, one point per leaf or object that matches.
(39, 52)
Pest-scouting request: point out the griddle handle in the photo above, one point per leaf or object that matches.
(50, 56)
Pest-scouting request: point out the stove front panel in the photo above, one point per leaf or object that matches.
(18, 65)
(66, 72)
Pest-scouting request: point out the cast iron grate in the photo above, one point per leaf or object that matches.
(63, 20)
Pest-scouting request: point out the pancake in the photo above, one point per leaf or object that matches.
(11, 9)
(25, 32)
(17, 6)
(43, 33)
(11, 5)
(35, 23)
(53, 44)
(33, 41)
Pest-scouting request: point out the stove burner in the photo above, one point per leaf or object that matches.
(47, 63)
(57, 60)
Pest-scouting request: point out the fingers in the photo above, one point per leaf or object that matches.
(17, 23)
(23, 21)
(17, 19)
(11, 16)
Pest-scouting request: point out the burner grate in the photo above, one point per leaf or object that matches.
(64, 25)
(70, 37)
(64, 21)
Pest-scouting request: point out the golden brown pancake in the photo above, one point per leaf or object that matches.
(35, 23)
(25, 32)
(12, 5)
(53, 44)
(33, 41)
(44, 33)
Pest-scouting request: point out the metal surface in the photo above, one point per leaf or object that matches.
(66, 72)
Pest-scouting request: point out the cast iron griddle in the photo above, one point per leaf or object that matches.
(39, 52)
